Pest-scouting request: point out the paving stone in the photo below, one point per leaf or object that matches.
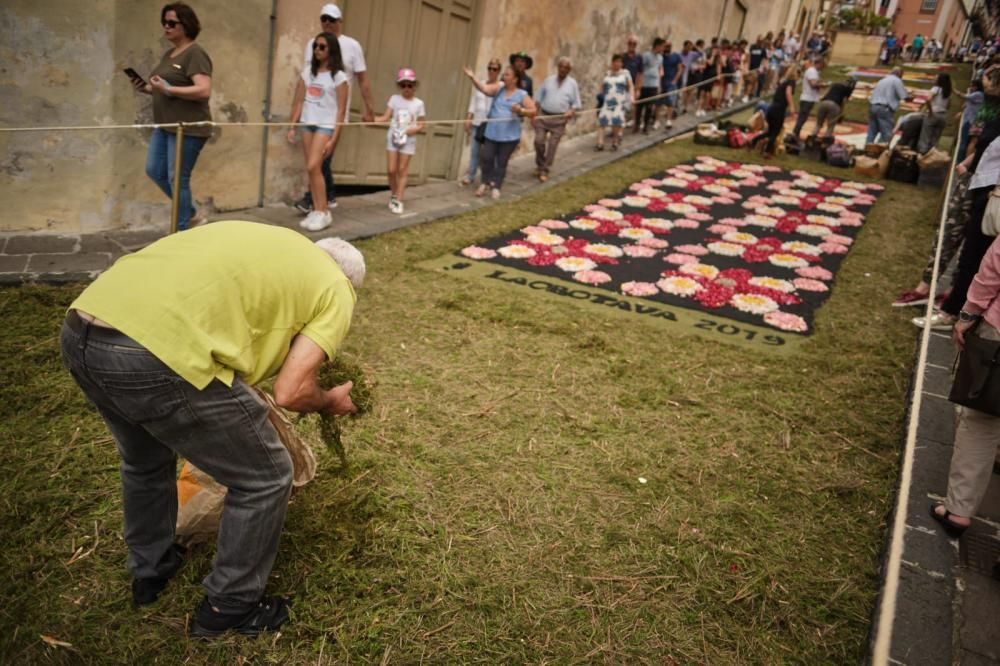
(922, 631)
(941, 352)
(13, 263)
(90, 243)
(968, 658)
(937, 420)
(77, 263)
(937, 380)
(42, 243)
(980, 632)
(131, 240)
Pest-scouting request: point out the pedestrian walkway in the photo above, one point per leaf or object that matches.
(948, 604)
(52, 258)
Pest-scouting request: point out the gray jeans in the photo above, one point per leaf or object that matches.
(154, 416)
(931, 131)
(827, 112)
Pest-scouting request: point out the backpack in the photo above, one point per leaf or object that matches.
(736, 137)
(838, 155)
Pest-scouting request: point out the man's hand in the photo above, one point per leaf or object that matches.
(569, 114)
(958, 333)
(340, 401)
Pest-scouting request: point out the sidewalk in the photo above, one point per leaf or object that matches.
(40, 257)
(948, 606)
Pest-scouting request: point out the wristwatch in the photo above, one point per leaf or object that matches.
(968, 316)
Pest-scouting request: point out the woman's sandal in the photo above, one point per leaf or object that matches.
(952, 529)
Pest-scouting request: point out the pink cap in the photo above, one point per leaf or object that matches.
(406, 74)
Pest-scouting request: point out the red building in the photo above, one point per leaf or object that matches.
(944, 20)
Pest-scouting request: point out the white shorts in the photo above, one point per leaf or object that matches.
(409, 148)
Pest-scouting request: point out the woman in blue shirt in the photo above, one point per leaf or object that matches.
(503, 127)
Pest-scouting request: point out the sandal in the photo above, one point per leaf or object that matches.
(952, 529)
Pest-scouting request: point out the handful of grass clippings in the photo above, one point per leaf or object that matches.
(333, 373)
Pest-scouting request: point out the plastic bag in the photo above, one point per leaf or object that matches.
(200, 497)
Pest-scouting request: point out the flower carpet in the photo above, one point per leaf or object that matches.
(739, 252)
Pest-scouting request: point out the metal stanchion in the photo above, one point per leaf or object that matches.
(178, 165)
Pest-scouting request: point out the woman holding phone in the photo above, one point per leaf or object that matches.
(181, 86)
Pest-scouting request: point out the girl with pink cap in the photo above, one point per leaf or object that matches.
(405, 113)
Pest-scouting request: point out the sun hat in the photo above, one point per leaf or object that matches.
(406, 74)
(331, 10)
(522, 54)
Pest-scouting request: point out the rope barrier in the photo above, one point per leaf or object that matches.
(212, 123)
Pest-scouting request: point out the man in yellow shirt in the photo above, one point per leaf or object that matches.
(166, 345)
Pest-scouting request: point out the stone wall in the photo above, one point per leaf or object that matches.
(62, 66)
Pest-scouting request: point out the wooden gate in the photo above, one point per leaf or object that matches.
(435, 38)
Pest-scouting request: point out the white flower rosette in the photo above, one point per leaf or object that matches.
(657, 223)
(635, 233)
(785, 260)
(545, 239)
(603, 250)
(651, 193)
(824, 220)
(635, 201)
(741, 237)
(516, 252)
(574, 264)
(772, 283)
(831, 208)
(674, 181)
(771, 211)
(764, 221)
(606, 215)
(697, 200)
(753, 303)
(678, 285)
(698, 268)
(741, 173)
(817, 230)
(782, 199)
(726, 249)
(801, 247)
(790, 192)
(681, 208)
(584, 224)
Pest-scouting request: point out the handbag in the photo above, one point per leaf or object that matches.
(977, 380)
(480, 135)
(991, 218)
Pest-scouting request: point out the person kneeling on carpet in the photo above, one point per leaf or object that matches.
(167, 344)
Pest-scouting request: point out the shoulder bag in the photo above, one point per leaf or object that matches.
(977, 379)
(991, 218)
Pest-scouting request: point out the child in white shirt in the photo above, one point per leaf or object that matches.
(405, 113)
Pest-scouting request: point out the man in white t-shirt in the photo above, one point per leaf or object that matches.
(811, 87)
(331, 20)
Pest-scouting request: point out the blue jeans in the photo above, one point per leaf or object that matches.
(963, 139)
(154, 415)
(880, 123)
(160, 168)
(474, 147)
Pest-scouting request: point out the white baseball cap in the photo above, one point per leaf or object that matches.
(331, 10)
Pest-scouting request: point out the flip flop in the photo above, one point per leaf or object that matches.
(954, 530)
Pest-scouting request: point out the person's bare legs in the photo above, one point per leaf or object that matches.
(402, 174)
(313, 144)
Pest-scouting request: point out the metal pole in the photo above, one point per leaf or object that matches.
(178, 166)
(267, 105)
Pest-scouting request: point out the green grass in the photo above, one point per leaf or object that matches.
(491, 511)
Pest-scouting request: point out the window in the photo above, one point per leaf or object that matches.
(928, 6)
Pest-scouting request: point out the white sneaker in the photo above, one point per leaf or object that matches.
(745, 99)
(317, 220)
(656, 125)
(940, 321)
(495, 193)
(396, 206)
(670, 124)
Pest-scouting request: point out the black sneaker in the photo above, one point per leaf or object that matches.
(304, 205)
(146, 590)
(268, 615)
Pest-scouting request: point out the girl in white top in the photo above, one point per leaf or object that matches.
(320, 101)
(405, 113)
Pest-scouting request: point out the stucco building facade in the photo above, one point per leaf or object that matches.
(60, 65)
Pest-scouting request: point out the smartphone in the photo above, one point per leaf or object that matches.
(134, 75)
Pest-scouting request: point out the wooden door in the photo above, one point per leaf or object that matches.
(433, 37)
(734, 21)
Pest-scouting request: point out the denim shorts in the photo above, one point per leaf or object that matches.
(321, 130)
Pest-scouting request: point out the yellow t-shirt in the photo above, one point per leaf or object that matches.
(225, 299)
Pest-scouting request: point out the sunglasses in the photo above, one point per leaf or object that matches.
(168, 23)
(406, 84)
(493, 69)
(326, 18)
(319, 47)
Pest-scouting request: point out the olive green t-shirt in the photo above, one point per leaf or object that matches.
(180, 71)
(225, 299)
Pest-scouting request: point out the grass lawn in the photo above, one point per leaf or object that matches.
(492, 510)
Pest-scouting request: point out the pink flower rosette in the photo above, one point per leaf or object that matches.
(640, 289)
(476, 252)
(808, 284)
(639, 251)
(786, 321)
(592, 277)
(814, 272)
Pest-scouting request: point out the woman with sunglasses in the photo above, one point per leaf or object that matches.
(503, 126)
(479, 106)
(181, 86)
(321, 103)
